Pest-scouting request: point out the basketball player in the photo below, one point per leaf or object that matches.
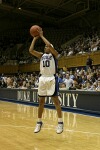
(48, 81)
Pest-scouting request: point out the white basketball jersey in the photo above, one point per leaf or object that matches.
(48, 65)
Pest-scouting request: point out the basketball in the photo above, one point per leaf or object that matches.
(34, 30)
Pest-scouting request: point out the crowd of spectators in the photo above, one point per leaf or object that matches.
(8, 44)
(81, 79)
(77, 79)
(84, 44)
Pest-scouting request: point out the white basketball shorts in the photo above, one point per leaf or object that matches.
(48, 86)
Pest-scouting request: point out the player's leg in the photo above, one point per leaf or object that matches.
(59, 113)
(40, 111)
(57, 105)
(41, 106)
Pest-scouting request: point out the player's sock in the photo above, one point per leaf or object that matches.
(60, 120)
(39, 120)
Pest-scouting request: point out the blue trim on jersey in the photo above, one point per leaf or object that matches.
(56, 93)
(56, 64)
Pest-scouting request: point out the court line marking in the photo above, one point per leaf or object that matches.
(29, 127)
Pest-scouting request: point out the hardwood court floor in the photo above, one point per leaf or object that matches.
(17, 123)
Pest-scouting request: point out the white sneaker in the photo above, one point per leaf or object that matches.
(59, 127)
(38, 127)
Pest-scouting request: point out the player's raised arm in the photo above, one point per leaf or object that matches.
(31, 49)
(52, 50)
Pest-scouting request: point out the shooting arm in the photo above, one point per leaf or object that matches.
(34, 52)
(53, 51)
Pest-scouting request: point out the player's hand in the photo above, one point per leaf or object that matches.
(36, 37)
(40, 32)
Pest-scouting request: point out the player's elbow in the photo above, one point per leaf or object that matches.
(49, 45)
(30, 50)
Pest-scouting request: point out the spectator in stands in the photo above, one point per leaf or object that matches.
(94, 44)
(71, 74)
(62, 86)
(89, 63)
(60, 78)
(14, 84)
(81, 51)
(3, 84)
(28, 85)
(94, 86)
(36, 81)
(75, 85)
(65, 68)
(24, 85)
(98, 47)
(10, 82)
(87, 86)
(68, 81)
(98, 85)
(70, 51)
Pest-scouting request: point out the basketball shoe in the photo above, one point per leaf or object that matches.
(59, 127)
(38, 127)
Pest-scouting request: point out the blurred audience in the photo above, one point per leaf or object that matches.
(71, 79)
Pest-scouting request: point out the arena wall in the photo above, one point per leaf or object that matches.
(82, 101)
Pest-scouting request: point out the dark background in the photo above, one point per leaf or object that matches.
(21, 14)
